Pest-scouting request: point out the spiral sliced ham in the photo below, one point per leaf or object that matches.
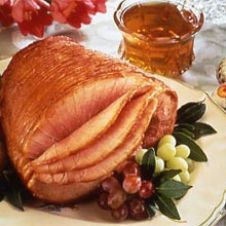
(71, 116)
(103, 146)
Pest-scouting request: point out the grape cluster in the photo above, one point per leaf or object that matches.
(124, 193)
(170, 156)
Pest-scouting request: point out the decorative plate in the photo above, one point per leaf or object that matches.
(202, 206)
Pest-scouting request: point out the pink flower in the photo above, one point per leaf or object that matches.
(100, 5)
(76, 12)
(32, 16)
(5, 12)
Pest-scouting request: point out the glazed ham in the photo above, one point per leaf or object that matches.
(71, 116)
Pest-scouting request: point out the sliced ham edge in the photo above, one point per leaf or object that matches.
(99, 149)
(93, 129)
(132, 142)
(61, 194)
(85, 134)
(164, 118)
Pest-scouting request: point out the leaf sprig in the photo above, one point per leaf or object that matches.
(188, 129)
(166, 189)
(12, 189)
(148, 164)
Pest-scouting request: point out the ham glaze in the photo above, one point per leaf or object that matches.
(71, 116)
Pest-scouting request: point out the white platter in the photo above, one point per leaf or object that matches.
(202, 206)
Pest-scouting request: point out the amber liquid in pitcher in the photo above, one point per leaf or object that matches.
(158, 37)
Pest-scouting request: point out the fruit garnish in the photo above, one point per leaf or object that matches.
(121, 213)
(137, 209)
(147, 189)
(155, 177)
(139, 189)
(131, 168)
(131, 184)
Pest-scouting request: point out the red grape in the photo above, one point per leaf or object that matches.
(131, 184)
(121, 213)
(110, 185)
(116, 199)
(137, 209)
(103, 201)
(146, 190)
(121, 166)
(131, 168)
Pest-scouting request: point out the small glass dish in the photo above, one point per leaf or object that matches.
(165, 48)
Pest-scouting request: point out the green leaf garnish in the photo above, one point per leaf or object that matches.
(167, 207)
(197, 153)
(1, 197)
(148, 164)
(185, 131)
(195, 130)
(14, 198)
(191, 112)
(172, 189)
(11, 188)
(187, 126)
(151, 209)
(165, 175)
(203, 129)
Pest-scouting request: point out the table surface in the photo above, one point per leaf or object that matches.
(102, 35)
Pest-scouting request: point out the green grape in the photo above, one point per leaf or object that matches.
(177, 163)
(139, 155)
(185, 177)
(191, 164)
(182, 151)
(167, 139)
(177, 178)
(159, 165)
(166, 151)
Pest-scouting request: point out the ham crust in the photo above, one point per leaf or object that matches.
(61, 102)
(61, 194)
(163, 120)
